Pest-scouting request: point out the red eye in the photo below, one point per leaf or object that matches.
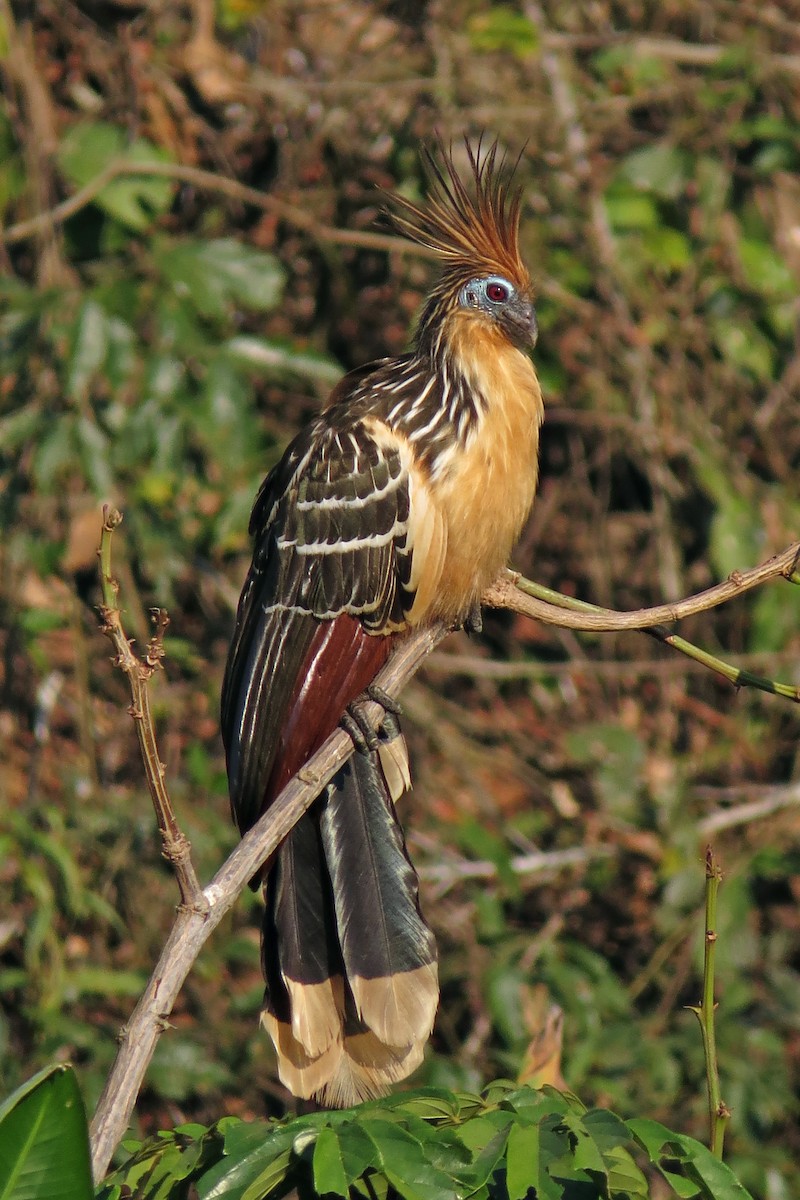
(497, 292)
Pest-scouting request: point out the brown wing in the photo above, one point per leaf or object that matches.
(331, 572)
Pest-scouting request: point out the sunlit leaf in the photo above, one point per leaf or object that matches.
(44, 1140)
(88, 351)
(765, 271)
(329, 1172)
(628, 208)
(135, 201)
(659, 168)
(217, 275)
(745, 347)
(502, 28)
(522, 1161)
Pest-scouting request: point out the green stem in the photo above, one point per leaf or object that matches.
(738, 676)
(718, 1111)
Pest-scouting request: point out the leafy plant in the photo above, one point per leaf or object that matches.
(429, 1145)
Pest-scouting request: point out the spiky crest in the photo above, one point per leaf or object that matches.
(475, 231)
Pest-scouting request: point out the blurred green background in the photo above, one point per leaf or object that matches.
(163, 335)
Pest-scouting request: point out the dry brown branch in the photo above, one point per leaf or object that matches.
(207, 181)
(26, 83)
(508, 592)
(175, 846)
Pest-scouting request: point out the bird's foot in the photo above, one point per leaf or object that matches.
(381, 696)
(473, 621)
(359, 728)
(357, 724)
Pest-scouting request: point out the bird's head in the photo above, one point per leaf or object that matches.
(474, 231)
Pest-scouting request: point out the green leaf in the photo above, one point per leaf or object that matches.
(95, 455)
(659, 1142)
(585, 1151)
(216, 276)
(263, 1184)
(522, 1162)
(765, 271)
(257, 1155)
(502, 28)
(89, 347)
(774, 620)
(606, 1127)
(537, 1103)
(403, 1161)
(667, 248)
(661, 169)
(624, 1175)
(699, 1166)
(20, 427)
(357, 1150)
(328, 1167)
(54, 456)
(745, 347)
(504, 990)
(430, 1103)
(181, 1067)
(284, 359)
(616, 756)
(629, 209)
(133, 200)
(715, 1175)
(44, 1140)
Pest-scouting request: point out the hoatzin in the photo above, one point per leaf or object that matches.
(397, 506)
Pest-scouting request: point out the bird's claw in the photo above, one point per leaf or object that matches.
(355, 723)
(381, 696)
(473, 622)
(358, 726)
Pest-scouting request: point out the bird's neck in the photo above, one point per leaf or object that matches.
(459, 373)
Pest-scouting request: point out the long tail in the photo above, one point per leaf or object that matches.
(352, 981)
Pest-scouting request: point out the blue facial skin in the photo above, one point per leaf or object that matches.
(499, 299)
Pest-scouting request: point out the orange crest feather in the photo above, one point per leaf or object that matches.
(474, 231)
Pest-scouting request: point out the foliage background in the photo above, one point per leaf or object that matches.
(162, 342)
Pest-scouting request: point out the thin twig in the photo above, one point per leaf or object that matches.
(718, 1111)
(510, 590)
(773, 802)
(207, 181)
(176, 847)
(554, 605)
(447, 874)
(443, 663)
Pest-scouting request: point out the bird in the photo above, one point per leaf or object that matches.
(393, 509)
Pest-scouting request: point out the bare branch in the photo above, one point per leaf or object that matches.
(520, 595)
(175, 846)
(207, 181)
